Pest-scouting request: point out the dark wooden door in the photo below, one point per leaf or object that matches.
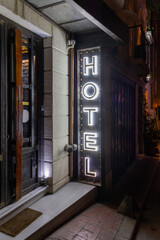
(20, 132)
(22, 115)
(21, 101)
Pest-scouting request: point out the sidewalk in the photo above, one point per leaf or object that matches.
(149, 228)
(97, 222)
(101, 221)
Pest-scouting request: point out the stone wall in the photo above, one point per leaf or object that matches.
(56, 114)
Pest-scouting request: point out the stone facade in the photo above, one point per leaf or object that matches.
(56, 110)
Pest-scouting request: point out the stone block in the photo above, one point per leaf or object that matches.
(60, 169)
(60, 127)
(11, 5)
(44, 24)
(58, 148)
(36, 19)
(30, 15)
(47, 59)
(59, 39)
(19, 8)
(60, 105)
(47, 42)
(48, 127)
(47, 104)
(58, 185)
(48, 150)
(60, 62)
(48, 82)
(60, 83)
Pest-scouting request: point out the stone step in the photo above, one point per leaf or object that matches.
(57, 208)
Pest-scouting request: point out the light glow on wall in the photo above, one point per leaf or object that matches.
(46, 172)
(89, 118)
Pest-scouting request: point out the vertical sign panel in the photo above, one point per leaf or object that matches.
(89, 115)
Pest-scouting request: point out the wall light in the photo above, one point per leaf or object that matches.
(71, 42)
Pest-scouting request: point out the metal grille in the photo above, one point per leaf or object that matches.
(123, 125)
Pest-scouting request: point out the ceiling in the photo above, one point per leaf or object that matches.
(63, 14)
(83, 16)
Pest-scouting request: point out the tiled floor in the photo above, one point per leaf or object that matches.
(97, 222)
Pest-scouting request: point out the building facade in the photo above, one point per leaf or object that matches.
(55, 93)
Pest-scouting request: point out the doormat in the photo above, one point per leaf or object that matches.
(19, 222)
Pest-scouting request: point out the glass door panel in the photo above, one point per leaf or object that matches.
(29, 151)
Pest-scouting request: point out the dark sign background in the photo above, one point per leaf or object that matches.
(94, 156)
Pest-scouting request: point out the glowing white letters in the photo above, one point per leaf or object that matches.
(90, 141)
(89, 115)
(93, 66)
(88, 172)
(90, 91)
(90, 111)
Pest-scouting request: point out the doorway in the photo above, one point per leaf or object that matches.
(22, 124)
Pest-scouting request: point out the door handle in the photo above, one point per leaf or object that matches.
(70, 148)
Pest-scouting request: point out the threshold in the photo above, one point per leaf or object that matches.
(56, 209)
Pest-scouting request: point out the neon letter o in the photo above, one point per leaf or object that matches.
(90, 91)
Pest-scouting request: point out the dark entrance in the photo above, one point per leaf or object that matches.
(21, 101)
(123, 124)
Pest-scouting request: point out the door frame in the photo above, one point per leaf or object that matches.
(5, 197)
(3, 112)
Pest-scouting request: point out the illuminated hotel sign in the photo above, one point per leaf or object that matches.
(89, 115)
